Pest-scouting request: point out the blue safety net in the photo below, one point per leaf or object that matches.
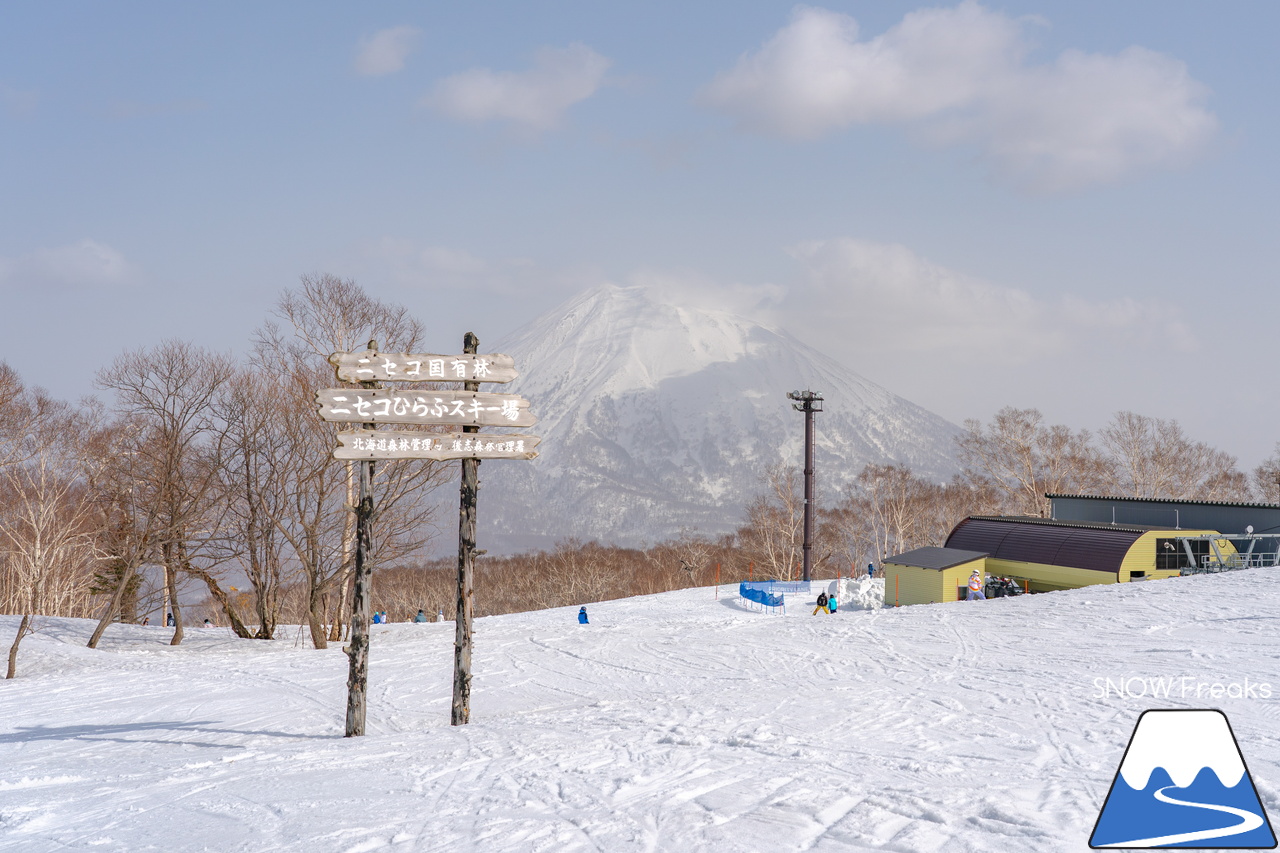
(760, 594)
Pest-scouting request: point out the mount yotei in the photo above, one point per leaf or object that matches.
(657, 417)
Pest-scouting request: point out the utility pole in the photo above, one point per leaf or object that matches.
(809, 402)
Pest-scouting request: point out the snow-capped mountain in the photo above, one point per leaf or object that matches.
(657, 417)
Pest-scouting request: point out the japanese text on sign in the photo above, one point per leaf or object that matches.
(424, 407)
(388, 444)
(422, 367)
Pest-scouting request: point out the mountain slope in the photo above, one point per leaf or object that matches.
(657, 417)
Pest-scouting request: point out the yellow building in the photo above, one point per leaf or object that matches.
(1049, 555)
(930, 575)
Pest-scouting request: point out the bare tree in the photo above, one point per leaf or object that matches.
(167, 395)
(46, 536)
(250, 444)
(1022, 459)
(772, 537)
(1153, 458)
(1265, 480)
(312, 492)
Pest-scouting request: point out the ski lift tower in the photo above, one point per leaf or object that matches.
(808, 402)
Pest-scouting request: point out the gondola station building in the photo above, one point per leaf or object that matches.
(1043, 555)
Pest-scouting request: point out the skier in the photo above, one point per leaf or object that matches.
(822, 603)
(975, 587)
(421, 617)
(871, 570)
(582, 615)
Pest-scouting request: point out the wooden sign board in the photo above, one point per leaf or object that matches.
(454, 408)
(369, 366)
(397, 444)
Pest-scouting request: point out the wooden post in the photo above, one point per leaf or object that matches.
(461, 713)
(717, 581)
(358, 648)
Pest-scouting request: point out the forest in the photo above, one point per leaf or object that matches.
(207, 489)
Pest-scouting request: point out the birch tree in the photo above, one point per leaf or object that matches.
(46, 537)
(1022, 459)
(1154, 458)
(773, 535)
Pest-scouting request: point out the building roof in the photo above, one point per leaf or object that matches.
(1088, 525)
(931, 557)
(1180, 501)
(1074, 544)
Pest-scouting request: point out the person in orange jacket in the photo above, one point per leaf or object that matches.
(975, 587)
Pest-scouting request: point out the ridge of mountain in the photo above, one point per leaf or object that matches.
(657, 417)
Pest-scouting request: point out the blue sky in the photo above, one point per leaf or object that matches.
(1070, 206)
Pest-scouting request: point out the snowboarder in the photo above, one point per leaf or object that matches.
(582, 616)
(168, 620)
(207, 623)
(871, 570)
(975, 587)
(831, 604)
(822, 604)
(146, 620)
(421, 617)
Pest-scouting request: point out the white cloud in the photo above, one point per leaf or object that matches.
(534, 99)
(696, 290)
(961, 76)
(385, 51)
(86, 263)
(906, 305)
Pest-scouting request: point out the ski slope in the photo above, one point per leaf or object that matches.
(675, 722)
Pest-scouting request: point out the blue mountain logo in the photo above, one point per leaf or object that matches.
(1183, 783)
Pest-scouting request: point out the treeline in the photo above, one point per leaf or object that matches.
(209, 476)
(1007, 468)
(209, 482)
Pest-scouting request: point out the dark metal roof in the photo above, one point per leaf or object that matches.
(935, 558)
(1080, 545)
(1179, 501)
(1089, 525)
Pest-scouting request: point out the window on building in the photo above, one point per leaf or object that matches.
(1171, 554)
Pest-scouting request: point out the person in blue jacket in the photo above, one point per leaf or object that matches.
(582, 616)
(421, 617)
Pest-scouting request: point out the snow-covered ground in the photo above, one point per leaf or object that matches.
(674, 722)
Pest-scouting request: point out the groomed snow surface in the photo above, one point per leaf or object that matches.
(674, 722)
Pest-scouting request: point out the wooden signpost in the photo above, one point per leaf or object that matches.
(469, 409)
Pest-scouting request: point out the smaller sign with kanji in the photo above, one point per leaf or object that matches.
(396, 444)
(369, 366)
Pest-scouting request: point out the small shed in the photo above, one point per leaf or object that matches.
(930, 575)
